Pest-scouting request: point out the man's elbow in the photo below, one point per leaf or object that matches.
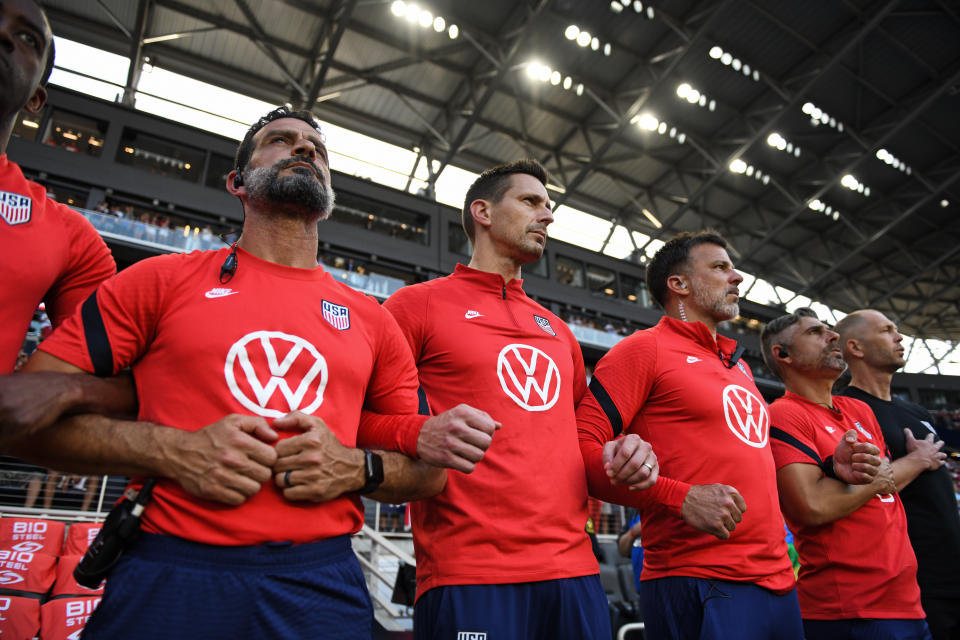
(435, 481)
(804, 513)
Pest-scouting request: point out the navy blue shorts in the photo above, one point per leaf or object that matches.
(872, 629)
(166, 587)
(564, 609)
(680, 608)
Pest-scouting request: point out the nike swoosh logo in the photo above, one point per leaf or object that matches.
(692, 359)
(472, 314)
(219, 294)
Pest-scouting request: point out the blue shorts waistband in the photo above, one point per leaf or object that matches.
(180, 551)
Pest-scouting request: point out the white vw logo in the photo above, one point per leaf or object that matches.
(526, 371)
(746, 415)
(302, 362)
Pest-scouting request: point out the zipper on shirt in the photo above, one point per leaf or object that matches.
(507, 305)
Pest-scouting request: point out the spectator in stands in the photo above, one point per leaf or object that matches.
(47, 251)
(511, 533)
(247, 531)
(858, 574)
(872, 350)
(683, 387)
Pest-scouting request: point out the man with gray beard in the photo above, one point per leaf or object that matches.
(260, 363)
(682, 387)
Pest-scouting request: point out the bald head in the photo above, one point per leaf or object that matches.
(870, 340)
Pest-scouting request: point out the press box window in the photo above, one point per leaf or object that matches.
(601, 281)
(74, 132)
(633, 290)
(159, 156)
(217, 172)
(569, 271)
(28, 125)
(457, 240)
(538, 268)
(382, 218)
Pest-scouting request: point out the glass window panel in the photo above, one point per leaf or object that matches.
(159, 156)
(569, 271)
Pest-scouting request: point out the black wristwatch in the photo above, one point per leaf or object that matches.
(372, 472)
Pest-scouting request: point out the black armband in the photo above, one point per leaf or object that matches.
(827, 467)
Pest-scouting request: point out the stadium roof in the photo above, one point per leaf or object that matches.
(820, 137)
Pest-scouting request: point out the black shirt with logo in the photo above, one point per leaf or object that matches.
(933, 523)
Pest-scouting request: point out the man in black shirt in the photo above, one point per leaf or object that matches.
(871, 347)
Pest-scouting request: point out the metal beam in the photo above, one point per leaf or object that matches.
(624, 120)
(261, 43)
(340, 17)
(760, 133)
(479, 104)
(136, 54)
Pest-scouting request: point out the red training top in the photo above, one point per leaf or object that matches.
(860, 566)
(272, 340)
(707, 423)
(520, 516)
(50, 253)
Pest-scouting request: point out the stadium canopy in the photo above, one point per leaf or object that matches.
(822, 138)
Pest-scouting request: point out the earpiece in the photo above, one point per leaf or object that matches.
(782, 352)
(238, 179)
(683, 285)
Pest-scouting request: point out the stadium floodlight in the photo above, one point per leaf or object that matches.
(736, 64)
(637, 6)
(616, 7)
(439, 24)
(453, 32)
(571, 32)
(567, 83)
(681, 138)
(579, 90)
(715, 52)
(555, 78)
(683, 90)
(607, 49)
(413, 12)
(647, 121)
(595, 44)
(426, 18)
(583, 38)
(693, 96)
(737, 165)
(398, 8)
(650, 13)
(944, 203)
(726, 58)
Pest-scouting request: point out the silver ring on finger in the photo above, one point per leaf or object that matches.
(648, 466)
(286, 478)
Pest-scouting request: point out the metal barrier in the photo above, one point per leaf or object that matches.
(627, 628)
(380, 559)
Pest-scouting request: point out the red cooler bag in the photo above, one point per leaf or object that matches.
(64, 618)
(79, 537)
(45, 536)
(19, 617)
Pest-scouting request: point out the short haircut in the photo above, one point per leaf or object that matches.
(673, 257)
(494, 182)
(771, 333)
(245, 150)
(850, 324)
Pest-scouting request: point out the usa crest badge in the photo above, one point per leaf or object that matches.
(336, 314)
(544, 324)
(15, 208)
